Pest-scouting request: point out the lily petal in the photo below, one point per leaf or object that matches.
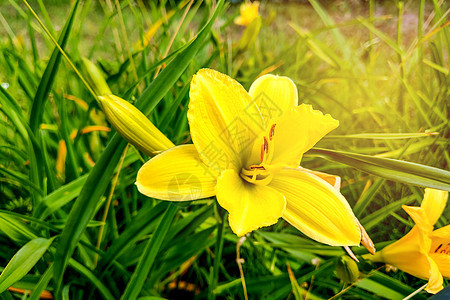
(177, 174)
(442, 233)
(443, 262)
(317, 209)
(366, 241)
(334, 180)
(435, 282)
(420, 218)
(406, 250)
(440, 249)
(274, 95)
(223, 119)
(249, 206)
(297, 131)
(434, 202)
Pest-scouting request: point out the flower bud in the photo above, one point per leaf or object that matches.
(94, 77)
(347, 269)
(133, 125)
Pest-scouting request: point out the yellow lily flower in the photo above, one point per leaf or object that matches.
(247, 150)
(422, 252)
(249, 12)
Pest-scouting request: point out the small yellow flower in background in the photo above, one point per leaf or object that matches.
(249, 12)
(247, 150)
(423, 252)
(133, 125)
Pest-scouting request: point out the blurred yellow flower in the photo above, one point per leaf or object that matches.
(249, 12)
(423, 252)
(247, 150)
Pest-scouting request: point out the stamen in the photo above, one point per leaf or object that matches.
(443, 249)
(262, 153)
(257, 175)
(266, 145)
(257, 167)
(272, 131)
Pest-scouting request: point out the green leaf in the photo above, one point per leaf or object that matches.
(20, 178)
(392, 169)
(141, 225)
(181, 251)
(23, 261)
(250, 34)
(13, 112)
(376, 217)
(94, 280)
(296, 289)
(49, 75)
(103, 170)
(54, 201)
(382, 136)
(15, 229)
(385, 286)
(148, 257)
(42, 284)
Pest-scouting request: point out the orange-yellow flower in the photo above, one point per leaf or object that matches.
(249, 12)
(247, 149)
(423, 252)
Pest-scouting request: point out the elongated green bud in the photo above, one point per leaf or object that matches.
(347, 269)
(95, 77)
(133, 125)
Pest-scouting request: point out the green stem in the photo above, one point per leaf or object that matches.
(217, 254)
(401, 103)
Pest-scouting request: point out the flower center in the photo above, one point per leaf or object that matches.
(259, 174)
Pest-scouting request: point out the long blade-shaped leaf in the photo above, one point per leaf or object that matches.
(94, 280)
(148, 257)
(23, 261)
(392, 169)
(49, 74)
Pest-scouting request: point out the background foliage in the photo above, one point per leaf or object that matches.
(72, 223)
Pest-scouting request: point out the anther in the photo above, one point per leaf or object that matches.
(272, 131)
(262, 153)
(257, 167)
(266, 145)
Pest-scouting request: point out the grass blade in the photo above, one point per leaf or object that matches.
(23, 261)
(101, 174)
(94, 280)
(49, 75)
(392, 169)
(148, 257)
